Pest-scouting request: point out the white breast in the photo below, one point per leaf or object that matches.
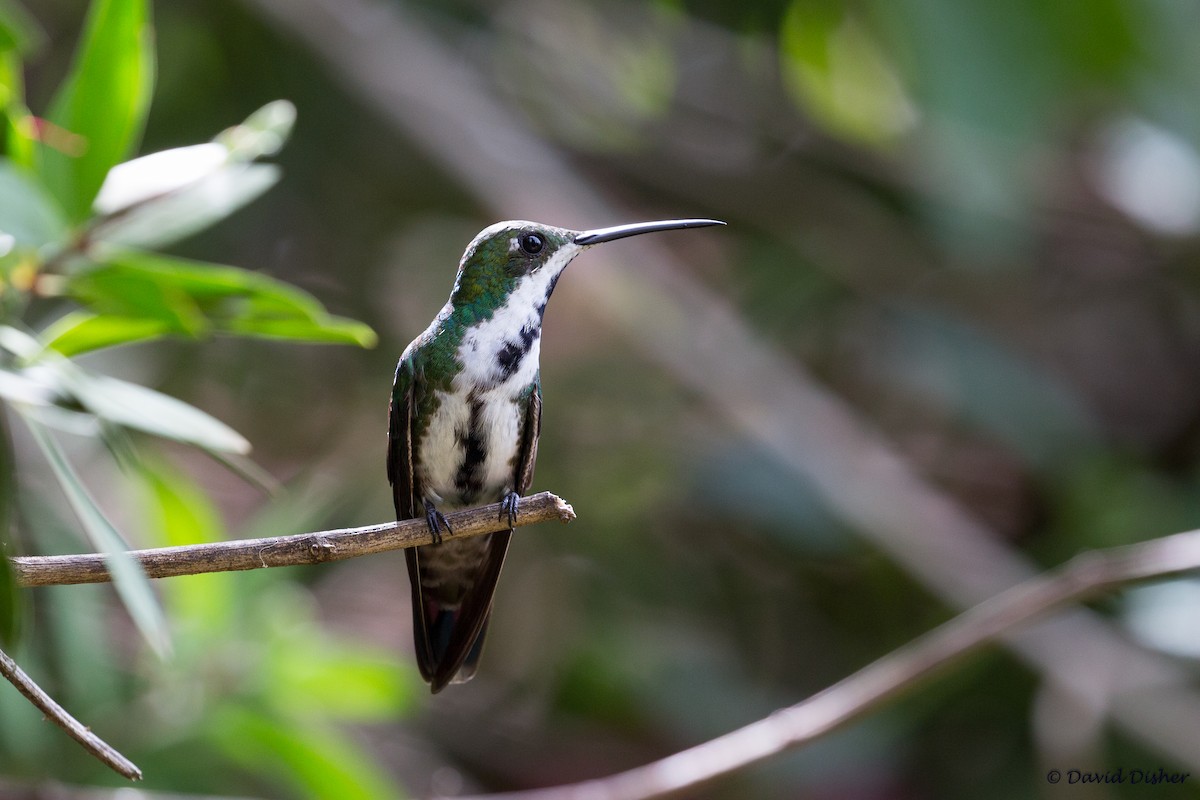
(499, 359)
(511, 325)
(498, 422)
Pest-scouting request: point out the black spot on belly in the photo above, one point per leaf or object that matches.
(469, 480)
(509, 357)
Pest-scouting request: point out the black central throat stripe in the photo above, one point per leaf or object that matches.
(509, 357)
(469, 480)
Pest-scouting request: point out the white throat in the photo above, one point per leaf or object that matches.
(504, 350)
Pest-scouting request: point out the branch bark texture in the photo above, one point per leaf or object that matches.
(285, 551)
(275, 551)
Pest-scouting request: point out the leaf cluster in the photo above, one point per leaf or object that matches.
(83, 225)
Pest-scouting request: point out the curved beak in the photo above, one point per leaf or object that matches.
(621, 231)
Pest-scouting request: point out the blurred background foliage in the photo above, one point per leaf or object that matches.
(974, 223)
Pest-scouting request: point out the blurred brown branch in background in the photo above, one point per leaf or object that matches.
(385, 55)
(286, 551)
(1085, 576)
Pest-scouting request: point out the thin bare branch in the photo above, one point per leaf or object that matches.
(285, 551)
(1085, 576)
(274, 551)
(74, 728)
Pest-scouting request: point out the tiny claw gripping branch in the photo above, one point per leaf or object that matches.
(509, 506)
(436, 520)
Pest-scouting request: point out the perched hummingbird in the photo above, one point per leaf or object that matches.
(464, 420)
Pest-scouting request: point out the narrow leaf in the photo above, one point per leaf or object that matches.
(18, 30)
(323, 330)
(27, 212)
(82, 332)
(315, 676)
(205, 605)
(19, 142)
(140, 284)
(262, 134)
(31, 388)
(193, 297)
(19, 343)
(143, 409)
(110, 399)
(103, 101)
(314, 760)
(130, 581)
(149, 177)
(163, 197)
(178, 214)
(10, 597)
(114, 291)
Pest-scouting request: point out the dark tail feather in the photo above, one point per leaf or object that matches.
(449, 640)
(441, 634)
(471, 662)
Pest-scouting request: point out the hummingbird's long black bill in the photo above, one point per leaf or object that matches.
(621, 231)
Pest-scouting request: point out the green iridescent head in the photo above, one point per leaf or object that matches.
(505, 253)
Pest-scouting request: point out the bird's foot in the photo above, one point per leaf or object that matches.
(436, 520)
(508, 508)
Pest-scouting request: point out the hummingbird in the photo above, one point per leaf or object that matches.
(464, 420)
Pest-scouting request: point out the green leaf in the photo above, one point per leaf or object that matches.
(315, 761)
(130, 581)
(204, 605)
(27, 212)
(262, 134)
(10, 596)
(82, 332)
(10, 600)
(192, 298)
(213, 288)
(50, 378)
(842, 76)
(152, 176)
(309, 674)
(143, 409)
(19, 343)
(114, 290)
(20, 144)
(18, 30)
(32, 388)
(324, 330)
(163, 197)
(182, 212)
(104, 100)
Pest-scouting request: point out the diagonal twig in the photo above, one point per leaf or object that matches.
(1085, 576)
(74, 728)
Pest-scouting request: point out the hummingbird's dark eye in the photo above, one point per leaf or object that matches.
(532, 244)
